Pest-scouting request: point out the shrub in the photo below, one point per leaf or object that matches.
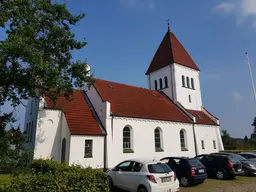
(238, 151)
(55, 177)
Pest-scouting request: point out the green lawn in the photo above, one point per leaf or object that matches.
(239, 184)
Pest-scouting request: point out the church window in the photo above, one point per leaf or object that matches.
(158, 142)
(155, 84)
(88, 149)
(192, 83)
(183, 141)
(31, 107)
(214, 144)
(188, 83)
(202, 144)
(127, 146)
(183, 81)
(189, 98)
(161, 83)
(166, 82)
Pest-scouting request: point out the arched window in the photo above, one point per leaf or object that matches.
(158, 140)
(155, 84)
(183, 140)
(161, 83)
(183, 81)
(127, 140)
(192, 83)
(166, 82)
(188, 83)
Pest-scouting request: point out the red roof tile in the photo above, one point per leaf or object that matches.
(170, 51)
(201, 117)
(79, 116)
(130, 101)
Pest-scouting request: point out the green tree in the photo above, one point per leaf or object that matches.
(226, 137)
(254, 125)
(36, 55)
(245, 138)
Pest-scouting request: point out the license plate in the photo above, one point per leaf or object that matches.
(200, 170)
(166, 179)
(239, 169)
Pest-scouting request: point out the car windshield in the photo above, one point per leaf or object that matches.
(194, 162)
(159, 168)
(233, 159)
(239, 157)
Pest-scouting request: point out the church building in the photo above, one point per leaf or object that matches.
(112, 122)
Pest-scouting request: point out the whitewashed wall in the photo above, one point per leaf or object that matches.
(77, 146)
(208, 134)
(161, 73)
(51, 129)
(143, 139)
(182, 93)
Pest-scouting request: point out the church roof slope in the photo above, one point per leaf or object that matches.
(171, 51)
(201, 117)
(79, 116)
(131, 101)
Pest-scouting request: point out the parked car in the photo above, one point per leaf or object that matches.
(143, 175)
(221, 166)
(249, 166)
(189, 171)
(248, 155)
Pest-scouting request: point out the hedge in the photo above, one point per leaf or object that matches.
(48, 176)
(238, 151)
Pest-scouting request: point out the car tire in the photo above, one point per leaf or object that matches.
(110, 184)
(220, 174)
(246, 173)
(142, 189)
(184, 181)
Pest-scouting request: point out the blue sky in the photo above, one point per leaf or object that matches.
(123, 36)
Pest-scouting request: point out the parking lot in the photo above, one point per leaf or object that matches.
(239, 184)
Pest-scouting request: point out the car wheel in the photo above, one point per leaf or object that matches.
(220, 175)
(184, 181)
(110, 184)
(142, 189)
(246, 173)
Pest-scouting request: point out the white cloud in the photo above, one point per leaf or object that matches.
(138, 3)
(241, 9)
(237, 96)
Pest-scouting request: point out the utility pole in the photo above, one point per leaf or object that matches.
(250, 70)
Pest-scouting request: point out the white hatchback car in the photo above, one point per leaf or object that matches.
(143, 175)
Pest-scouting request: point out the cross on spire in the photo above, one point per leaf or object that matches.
(168, 22)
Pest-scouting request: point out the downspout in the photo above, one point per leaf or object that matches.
(105, 153)
(196, 152)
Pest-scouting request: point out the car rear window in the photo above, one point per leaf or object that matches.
(159, 168)
(233, 159)
(194, 162)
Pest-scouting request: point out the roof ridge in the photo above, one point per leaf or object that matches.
(126, 85)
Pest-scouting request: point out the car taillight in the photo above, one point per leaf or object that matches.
(151, 178)
(192, 172)
(230, 165)
(174, 176)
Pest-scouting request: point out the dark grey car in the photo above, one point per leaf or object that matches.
(249, 165)
(248, 155)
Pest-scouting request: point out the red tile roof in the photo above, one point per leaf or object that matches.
(201, 117)
(170, 51)
(130, 101)
(79, 116)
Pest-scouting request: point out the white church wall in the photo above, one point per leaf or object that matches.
(182, 93)
(161, 73)
(143, 142)
(51, 128)
(207, 134)
(77, 148)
